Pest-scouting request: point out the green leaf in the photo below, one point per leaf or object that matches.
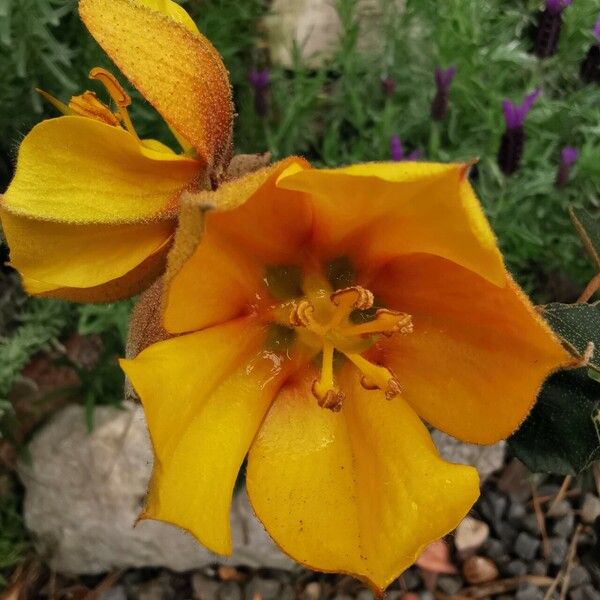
(562, 433)
(588, 229)
(577, 325)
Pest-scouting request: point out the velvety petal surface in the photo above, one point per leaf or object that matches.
(479, 353)
(78, 170)
(217, 268)
(204, 395)
(361, 491)
(175, 67)
(375, 212)
(109, 261)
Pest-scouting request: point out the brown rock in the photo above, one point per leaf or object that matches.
(478, 569)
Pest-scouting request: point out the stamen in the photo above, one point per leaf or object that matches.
(376, 376)
(117, 93)
(348, 299)
(88, 105)
(302, 315)
(386, 322)
(324, 389)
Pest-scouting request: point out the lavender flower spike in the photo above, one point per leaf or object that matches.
(513, 140)
(260, 81)
(590, 67)
(568, 157)
(556, 6)
(549, 27)
(397, 151)
(515, 114)
(443, 81)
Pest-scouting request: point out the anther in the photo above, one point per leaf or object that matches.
(376, 377)
(88, 105)
(355, 297)
(301, 315)
(117, 93)
(113, 87)
(332, 399)
(386, 322)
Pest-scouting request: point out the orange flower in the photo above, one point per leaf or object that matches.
(91, 212)
(318, 316)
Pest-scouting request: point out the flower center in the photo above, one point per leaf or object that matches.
(324, 320)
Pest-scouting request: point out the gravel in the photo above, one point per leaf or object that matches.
(558, 550)
(526, 546)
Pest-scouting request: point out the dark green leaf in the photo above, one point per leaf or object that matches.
(576, 324)
(588, 229)
(561, 435)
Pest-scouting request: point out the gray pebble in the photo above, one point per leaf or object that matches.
(579, 576)
(427, 596)
(587, 592)
(516, 568)
(516, 513)
(493, 508)
(564, 527)
(527, 591)
(267, 588)
(449, 585)
(561, 509)
(526, 546)
(508, 534)
(539, 567)
(558, 550)
(365, 595)
(230, 590)
(411, 579)
(530, 524)
(116, 593)
(494, 548)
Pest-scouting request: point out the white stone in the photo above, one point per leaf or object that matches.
(470, 534)
(486, 459)
(314, 28)
(84, 492)
(590, 510)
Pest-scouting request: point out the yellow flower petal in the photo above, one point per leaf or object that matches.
(478, 353)
(376, 212)
(360, 491)
(53, 257)
(254, 225)
(175, 67)
(78, 170)
(172, 10)
(205, 395)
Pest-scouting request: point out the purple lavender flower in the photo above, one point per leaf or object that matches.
(590, 67)
(549, 27)
(513, 140)
(568, 157)
(397, 151)
(260, 81)
(514, 114)
(388, 85)
(556, 6)
(443, 81)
